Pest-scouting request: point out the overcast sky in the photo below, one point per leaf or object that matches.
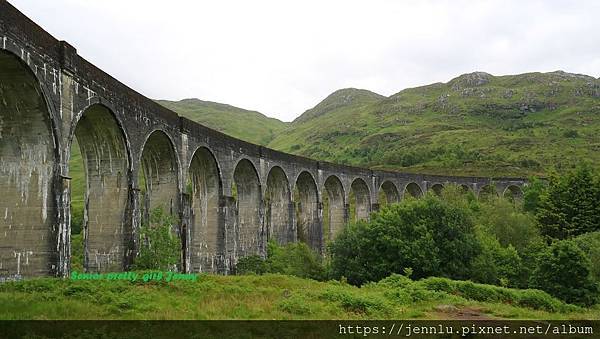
(283, 57)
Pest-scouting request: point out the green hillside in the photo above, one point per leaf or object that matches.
(247, 125)
(476, 124)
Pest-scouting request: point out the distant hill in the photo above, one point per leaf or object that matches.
(476, 124)
(247, 125)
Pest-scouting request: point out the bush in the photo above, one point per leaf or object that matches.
(496, 264)
(571, 204)
(563, 270)
(160, 249)
(590, 244)
(507, 223)
(428, 235)
(252, 264)
(532, 194)
(535, 299)
(295, 259)
(77, 252)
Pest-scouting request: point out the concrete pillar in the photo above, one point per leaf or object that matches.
(185, 232)
(63, 233)
(134, 216)
(229, 206)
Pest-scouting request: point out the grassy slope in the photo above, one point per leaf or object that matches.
(476, 124)
(247, 125)
(252, 297)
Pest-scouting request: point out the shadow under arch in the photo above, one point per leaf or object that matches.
(306, 201)
(334, 208)
(413, 190)
(278, 207)
(159, 174)
(360, 197)
(437, 189)
(388, 193)
(29, 156)
(247, 194)
(206, 229)
(487, 192)
(100, 141)
(513, 193)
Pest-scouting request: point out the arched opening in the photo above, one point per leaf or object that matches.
(307, 211)
(413, 190)
(278, 207)
(388, 194)
(158, 177)
(360, 200)
(487, 192)
(100, 191)
(513, 193)
(464, 189)
(333, 208)
(158, 181)
(27, 164)
(246, 191)
(206, 233)
(437, 189)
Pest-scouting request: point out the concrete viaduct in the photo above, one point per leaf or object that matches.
(230, 196)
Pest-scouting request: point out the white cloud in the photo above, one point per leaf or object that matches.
(282, 57)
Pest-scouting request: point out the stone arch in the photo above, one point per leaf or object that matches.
(437, 188)
(278, 208)
(159, 174)
(106, 228)
(306, 199)
(413, 190)
(513, 192)
(389, 193)
(465, 188)
(487, 192)
(28, 168)
(247, 193)
(206, 225)
(361, 198)
(334, 211)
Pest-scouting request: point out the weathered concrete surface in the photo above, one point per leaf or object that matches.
(105, 160)
(278, 209)
(239, 194)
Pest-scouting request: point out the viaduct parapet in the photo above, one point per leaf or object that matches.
(230, 196)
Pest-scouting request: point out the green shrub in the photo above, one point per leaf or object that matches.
(295, 259)
(534, 299)
(77, 252)
(428, 235)
(507, 223)
(354, 301)
(252, 264)
(590, 244)
(563, 270)
(295, 304)
(160, 249)
(496, 264)
(532, 194)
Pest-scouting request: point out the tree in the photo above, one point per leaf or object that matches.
(532, 193)
(563, 270)
(160, 249)
(496, 264)
(571, 204)
(429, 235)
